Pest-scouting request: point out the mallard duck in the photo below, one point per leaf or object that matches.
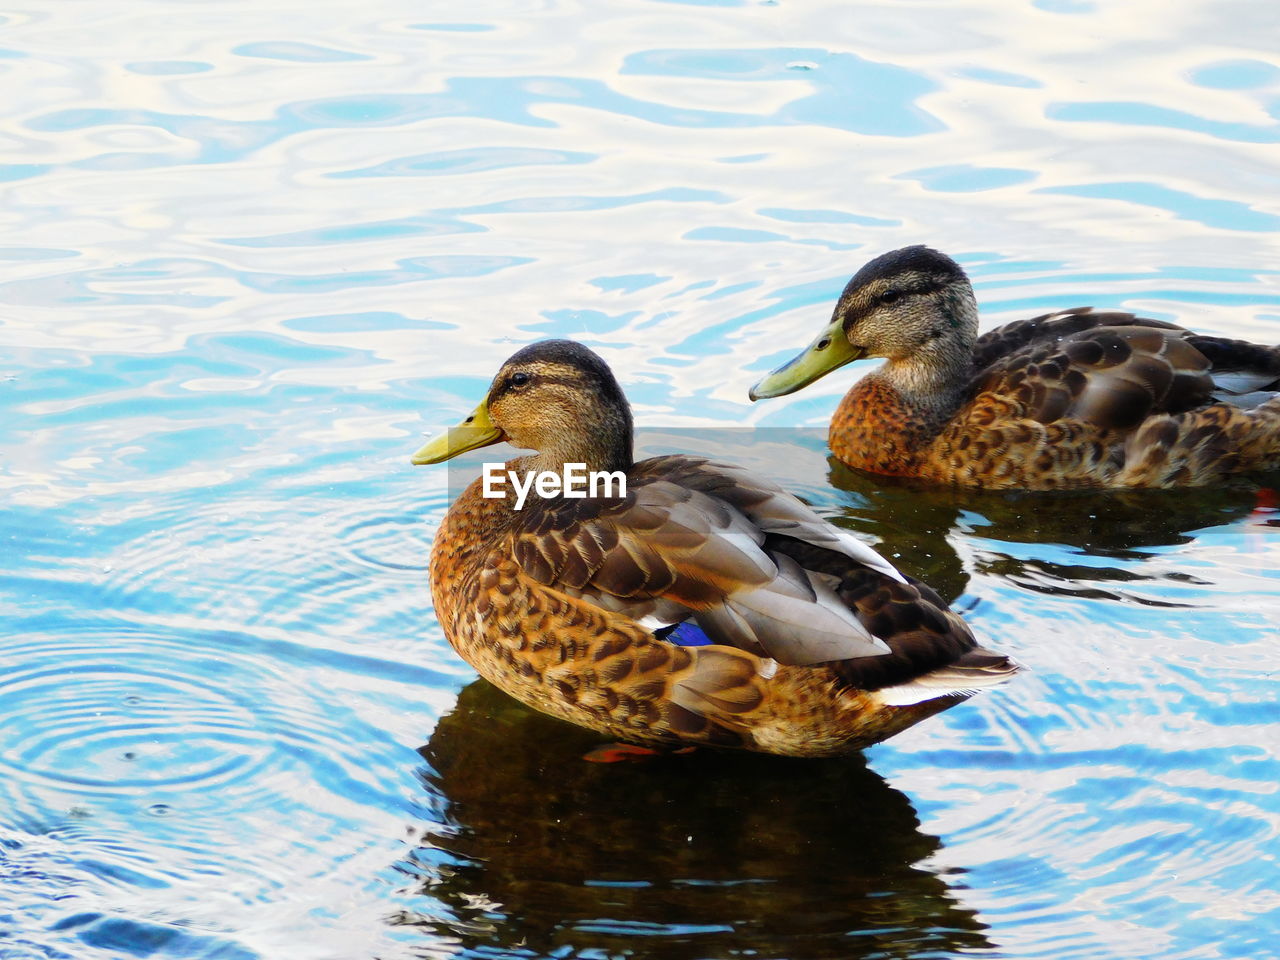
(1078, 398)
(704, 605)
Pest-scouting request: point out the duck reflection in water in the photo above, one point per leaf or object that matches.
(913, 524)
(536, 852)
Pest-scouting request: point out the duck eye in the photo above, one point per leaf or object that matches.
(519, 379)
(890, 296)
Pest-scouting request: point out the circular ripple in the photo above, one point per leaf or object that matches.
(79, 726)
(125, 718)
(335, 566)
(389, 542)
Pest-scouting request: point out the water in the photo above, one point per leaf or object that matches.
(251, 253)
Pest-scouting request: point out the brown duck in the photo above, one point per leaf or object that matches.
(704, 606)
(1076, 398)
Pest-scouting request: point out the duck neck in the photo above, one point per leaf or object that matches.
(932, 388)
(605, 447)
(886, 423)
(933, 377)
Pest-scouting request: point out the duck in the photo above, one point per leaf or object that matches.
(1079, 398)
(688, 602)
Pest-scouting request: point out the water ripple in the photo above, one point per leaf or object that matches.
(251, 257)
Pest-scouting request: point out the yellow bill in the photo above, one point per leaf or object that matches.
(830, 351)
(472, 433)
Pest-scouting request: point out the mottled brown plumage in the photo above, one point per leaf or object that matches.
(1079, 398)
(817, 646)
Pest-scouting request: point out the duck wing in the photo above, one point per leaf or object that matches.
(1114, 370)
(996, 345)
(698, 539)
(932, 650)
(1111, 371)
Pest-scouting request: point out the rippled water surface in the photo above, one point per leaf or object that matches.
(252, 251)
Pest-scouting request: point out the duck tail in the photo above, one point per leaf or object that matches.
(975, 671)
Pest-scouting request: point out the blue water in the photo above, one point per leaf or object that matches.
(252, 252)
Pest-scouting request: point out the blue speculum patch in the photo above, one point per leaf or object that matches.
(686, 634)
